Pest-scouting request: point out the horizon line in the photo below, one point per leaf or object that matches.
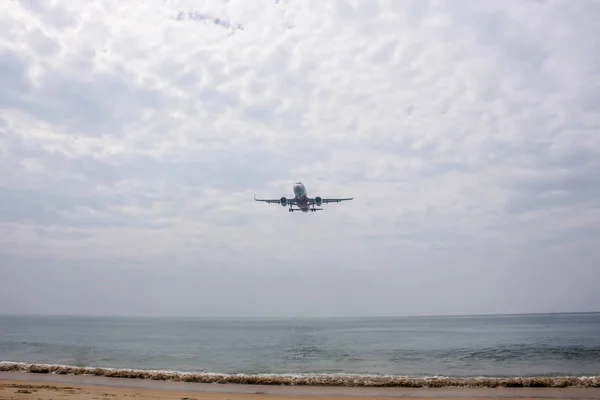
(4, 314)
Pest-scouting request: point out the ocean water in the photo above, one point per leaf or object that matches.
(461, 347)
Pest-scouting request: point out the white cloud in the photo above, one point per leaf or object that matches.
(136, 133)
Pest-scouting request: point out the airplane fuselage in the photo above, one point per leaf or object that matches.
(302, 201)
(301, 197)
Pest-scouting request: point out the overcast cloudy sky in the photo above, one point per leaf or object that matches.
(134, 135)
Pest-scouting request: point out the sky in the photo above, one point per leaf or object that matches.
(134, 136)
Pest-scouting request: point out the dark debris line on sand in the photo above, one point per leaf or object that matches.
(312, 380)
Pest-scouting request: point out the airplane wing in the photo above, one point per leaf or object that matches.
(289, 201)
(326, 201)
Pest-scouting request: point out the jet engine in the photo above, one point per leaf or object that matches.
(283, 201)
(318, 201)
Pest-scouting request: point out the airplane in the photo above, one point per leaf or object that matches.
(302, 201)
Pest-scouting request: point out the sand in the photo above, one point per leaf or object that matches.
(33, 386)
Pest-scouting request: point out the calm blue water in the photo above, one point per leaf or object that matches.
(532, 345)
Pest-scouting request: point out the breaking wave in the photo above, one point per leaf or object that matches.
(348, 380)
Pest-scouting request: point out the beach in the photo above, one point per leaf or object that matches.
(433, 357)
(15, 385)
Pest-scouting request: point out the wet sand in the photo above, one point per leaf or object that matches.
(15, 385)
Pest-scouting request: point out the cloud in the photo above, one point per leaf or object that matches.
(199, 16)
(134, 134)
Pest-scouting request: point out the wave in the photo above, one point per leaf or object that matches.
(348, 380)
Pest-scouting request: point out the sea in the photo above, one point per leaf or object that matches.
(554, 349)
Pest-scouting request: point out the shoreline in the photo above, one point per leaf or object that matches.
(86, 386)
(315, 380)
